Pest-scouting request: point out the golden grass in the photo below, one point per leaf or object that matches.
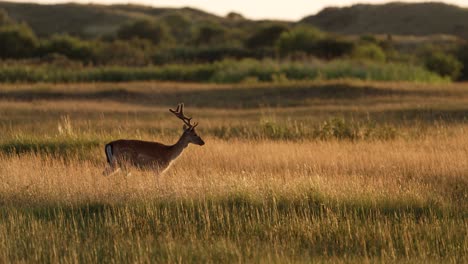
(238, 200)
(401, 200)
(422, 170)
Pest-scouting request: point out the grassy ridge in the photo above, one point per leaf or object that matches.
(91, 20)
(394, 18)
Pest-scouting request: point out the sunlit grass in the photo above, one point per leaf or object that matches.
(244, 201)
(293, 179)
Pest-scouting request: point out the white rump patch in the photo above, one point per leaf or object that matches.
(109, 152)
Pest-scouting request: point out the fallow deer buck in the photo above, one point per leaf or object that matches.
(151, 155)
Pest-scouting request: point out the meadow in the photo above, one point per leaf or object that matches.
(292, 172)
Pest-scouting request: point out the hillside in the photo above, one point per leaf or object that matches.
(91, 20)
(394, 18)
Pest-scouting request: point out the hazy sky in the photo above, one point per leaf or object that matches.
(255, 9)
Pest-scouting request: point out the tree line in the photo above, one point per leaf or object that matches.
(146, 42)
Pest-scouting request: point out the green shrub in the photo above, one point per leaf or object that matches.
(368, 51)
(200, 54)
(71, 47)
(332, 47)
(209, 34)
(299, 40)
(179, 26)
(368, 39)
(17, 41)
(119, 52)
(151, 30)
(265, 36)
(462, 56)
(230, 71)
(444, 64)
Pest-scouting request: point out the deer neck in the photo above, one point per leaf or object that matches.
(179, 146)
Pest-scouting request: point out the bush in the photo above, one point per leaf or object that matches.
(299, 40)
(17, 41)
(71, 47)
(200, 54)
(444, 64)
(180, 27)
(265, 37)
(120, 52)
(209, 34)
(369, 39)
(330, 48)
(462, 56)
(157, 33)
(368, 51)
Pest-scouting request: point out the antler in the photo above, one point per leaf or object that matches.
(179, 112)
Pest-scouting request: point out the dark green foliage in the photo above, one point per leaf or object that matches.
(266, 36)
(444, 64)
(234, 16)
(462, 56)
(332, 47)
(187, 36)
(311, 41)
(368, 51)
(209, 34)
(203, 54)
(369, 39)
(299, 40)
(136, 52)
(17, 41)
(151, 30)
(71, 47)
(180, 27)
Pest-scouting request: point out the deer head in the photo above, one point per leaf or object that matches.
(189, 129)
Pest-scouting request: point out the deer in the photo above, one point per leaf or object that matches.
(151, 155)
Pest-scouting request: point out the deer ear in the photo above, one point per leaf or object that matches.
(185, 127)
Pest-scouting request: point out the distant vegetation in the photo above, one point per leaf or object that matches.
(226, 71)
(127, 42)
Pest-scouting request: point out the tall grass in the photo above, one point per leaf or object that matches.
(227, 71)
(244, 201)
(304, 172)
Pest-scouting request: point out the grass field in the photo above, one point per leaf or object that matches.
(299, 172)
